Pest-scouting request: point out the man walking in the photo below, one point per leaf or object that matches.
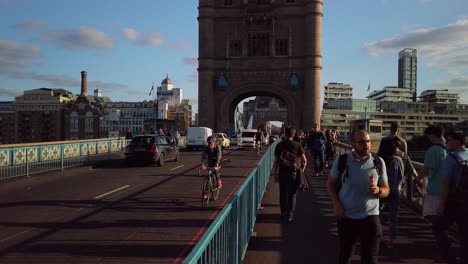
(316, 146)
(435, 155)
(355, 194)
(289, 155)
(394, 133)
(453, 204)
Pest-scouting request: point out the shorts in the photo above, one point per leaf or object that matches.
(431, 203)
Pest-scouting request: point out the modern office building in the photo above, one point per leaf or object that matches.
(341, 113)
(336, 91)
(407, 70)
(391, 94)
(439, 97)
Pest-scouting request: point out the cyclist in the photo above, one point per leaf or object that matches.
(259, 138)
(211, 157)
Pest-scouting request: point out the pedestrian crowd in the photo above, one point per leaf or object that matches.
(362, 185)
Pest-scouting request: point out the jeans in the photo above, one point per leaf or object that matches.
(288, 189)
(318, 159)
(393, 202)
(368, 231)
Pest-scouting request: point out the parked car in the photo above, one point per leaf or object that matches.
(222, 140)
(151, 148)
(234, 138)
(273, 138)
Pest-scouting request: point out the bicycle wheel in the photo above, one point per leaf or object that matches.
(205, 192)
(214, 190)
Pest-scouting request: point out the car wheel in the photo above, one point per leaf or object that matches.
(161, 160)
(177, 156)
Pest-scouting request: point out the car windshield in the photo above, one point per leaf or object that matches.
(143, 140)
(248, 134)
(218, 136)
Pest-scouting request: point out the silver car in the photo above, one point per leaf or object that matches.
(234, 139)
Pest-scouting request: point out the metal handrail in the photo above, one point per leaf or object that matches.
(27, 159)
(227, 238)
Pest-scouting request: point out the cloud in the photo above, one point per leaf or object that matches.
(11, 51)
(80, 38)
(190, 60)
(180, 45)
(150, 39)
(108, 86)
(9, 92)
(444, 48)
(431, 40)
(30, 24)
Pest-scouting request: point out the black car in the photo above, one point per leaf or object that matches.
(151, 148)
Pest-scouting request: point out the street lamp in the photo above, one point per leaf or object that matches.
(365, 119)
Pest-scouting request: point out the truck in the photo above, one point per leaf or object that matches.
(196, 137)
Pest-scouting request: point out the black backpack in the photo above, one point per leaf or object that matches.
(343, 172)
(460, 197)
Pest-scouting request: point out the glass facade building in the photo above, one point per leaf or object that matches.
(407, 70)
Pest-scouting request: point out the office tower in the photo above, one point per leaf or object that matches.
(336, 91)
(407, 70)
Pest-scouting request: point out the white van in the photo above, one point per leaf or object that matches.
(196, 137)
(246, 139)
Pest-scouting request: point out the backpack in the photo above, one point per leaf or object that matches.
(460, 197)
(289, 159)
(343, 173)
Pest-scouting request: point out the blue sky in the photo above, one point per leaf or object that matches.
(126, 45)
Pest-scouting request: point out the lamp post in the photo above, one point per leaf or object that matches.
(365, 118)
(155, 110)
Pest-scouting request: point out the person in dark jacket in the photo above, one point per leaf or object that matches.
(129, 134)
(316, 146)
(286, 174)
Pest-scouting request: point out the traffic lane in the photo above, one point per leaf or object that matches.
(165, 217)
(30, 208)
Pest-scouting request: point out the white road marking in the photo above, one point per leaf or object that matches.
(20, 233)
(113, 191)
(178, 167)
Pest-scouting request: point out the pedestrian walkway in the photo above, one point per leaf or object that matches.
(312, 237)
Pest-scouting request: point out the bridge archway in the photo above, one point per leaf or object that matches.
(228, 103)
(259, 48)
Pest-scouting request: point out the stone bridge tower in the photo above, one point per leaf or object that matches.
(259, 48)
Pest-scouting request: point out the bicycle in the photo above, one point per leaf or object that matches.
(209, 190)
(257, 147)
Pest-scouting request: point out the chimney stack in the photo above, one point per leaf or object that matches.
(84, 83)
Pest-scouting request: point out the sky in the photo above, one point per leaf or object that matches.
(127, 45)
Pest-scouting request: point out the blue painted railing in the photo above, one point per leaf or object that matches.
(227, 238)
(25, 160)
